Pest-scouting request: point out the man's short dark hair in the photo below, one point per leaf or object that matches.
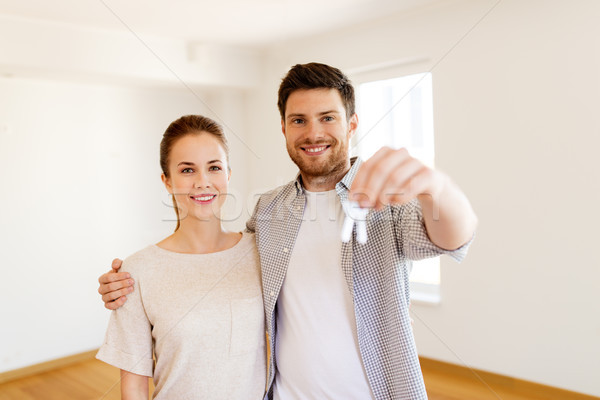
(316, 76)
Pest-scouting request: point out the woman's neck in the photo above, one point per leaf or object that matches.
(199, 237)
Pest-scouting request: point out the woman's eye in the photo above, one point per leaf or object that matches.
(214, 168)
(187, 170)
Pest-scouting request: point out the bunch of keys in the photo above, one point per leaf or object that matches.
(354, 214)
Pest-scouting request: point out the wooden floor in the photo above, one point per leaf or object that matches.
(441, 386)
(95, 380)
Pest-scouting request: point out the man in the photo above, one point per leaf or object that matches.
(337, 313)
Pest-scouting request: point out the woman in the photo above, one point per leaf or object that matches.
(197, 303)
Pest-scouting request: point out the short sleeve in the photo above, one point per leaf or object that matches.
(128, 341)
(413, 238)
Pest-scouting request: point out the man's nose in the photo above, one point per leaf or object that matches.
(314, 131)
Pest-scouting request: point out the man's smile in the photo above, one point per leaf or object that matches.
(315, 150)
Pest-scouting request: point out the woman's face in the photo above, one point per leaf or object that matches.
(198, 176)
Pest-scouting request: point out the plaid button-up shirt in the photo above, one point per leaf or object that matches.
(377, 274)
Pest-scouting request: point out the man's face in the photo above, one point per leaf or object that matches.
(317, 132)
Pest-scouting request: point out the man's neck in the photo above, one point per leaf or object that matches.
(323, 183)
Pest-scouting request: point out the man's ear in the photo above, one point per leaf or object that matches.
(352, 125)
(283, 127)
(167, 182)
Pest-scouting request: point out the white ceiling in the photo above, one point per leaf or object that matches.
(239, 22)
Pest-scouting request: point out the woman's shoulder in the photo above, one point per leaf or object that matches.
(248, 240)
(247, 247)
(141, 260)
(246, 235)
(243, 246)
(240, 240)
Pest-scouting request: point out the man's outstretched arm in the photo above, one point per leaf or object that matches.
(394, 177)
(115, 286)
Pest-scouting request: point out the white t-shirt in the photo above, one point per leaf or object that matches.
(317, 346)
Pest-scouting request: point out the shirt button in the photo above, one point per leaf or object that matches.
(272, 294)
(298, 208)
(285, 250)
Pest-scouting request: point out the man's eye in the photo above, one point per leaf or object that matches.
(328, 118)
(297, 121)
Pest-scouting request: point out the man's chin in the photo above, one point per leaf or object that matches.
(315, 173)
(311, 167)
(317, 170)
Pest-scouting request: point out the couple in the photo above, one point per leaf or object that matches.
(336, 313)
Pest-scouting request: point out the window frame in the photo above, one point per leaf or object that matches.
(420, 292)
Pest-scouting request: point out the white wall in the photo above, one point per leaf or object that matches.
(48, 49)
(517, 126)
(81, 185)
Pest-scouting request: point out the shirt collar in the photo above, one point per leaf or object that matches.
(347, 180)
(343, 185)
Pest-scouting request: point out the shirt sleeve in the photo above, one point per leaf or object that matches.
(128, 341)
(412, 235)
(251, 223)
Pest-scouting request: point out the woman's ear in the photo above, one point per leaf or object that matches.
(229, 175)
(167, 182)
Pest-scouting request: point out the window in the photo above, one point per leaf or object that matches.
(398, 113)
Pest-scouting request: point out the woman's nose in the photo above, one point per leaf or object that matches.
(201, 181)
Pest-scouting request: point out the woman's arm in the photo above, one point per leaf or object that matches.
(133, 386)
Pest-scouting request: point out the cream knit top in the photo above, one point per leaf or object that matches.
(201, 314)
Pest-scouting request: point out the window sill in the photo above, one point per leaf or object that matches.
(425, 294)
